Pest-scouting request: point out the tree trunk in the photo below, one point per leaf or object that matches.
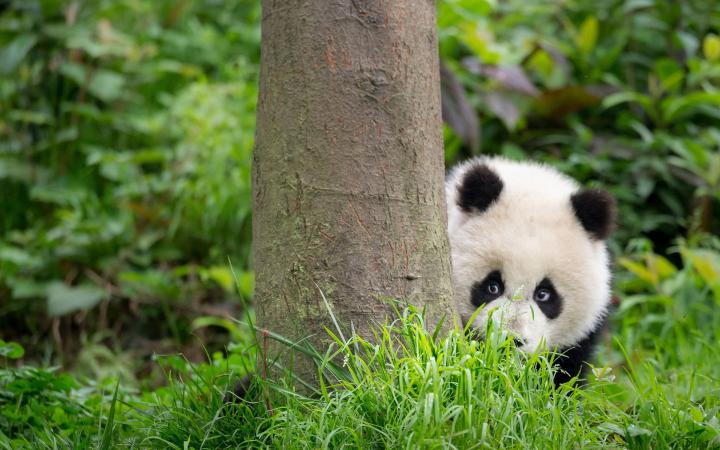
(348, 167)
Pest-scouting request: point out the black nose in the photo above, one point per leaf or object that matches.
(519, 342)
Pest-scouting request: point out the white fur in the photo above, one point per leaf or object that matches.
(528, 234)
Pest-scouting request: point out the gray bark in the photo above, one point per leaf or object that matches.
(348, 167)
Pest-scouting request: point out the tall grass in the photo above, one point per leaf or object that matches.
(655, 385)
(407, 387)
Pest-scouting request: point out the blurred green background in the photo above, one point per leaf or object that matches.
(126, 131)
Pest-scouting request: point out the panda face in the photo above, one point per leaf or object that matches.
(528, 248)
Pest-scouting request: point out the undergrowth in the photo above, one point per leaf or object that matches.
(655, 385)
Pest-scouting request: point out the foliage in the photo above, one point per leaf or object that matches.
(670, 307)
(44, 408)
(125, 143)
(44, 405)
(623, 93)
(666, 332)
(430, 391)
(126, 130)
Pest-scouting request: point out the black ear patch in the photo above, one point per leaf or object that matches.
(479, 188)
(596, 211)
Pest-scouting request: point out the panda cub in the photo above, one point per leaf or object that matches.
(528, 245)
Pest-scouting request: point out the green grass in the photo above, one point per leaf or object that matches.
(654, 385)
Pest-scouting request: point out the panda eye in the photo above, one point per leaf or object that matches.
(487, 290)
(542, 295)
(548, 299)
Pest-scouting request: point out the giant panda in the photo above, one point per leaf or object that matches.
(529, 248)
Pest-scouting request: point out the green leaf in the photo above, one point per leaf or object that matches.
(628, 97)
(23, 288)
(220, 322)
(222, 276)
(711, 47)
(639, 271)
(246, 284)
(660, 265)
(635, 431)
(706, 264)
(587, 36)
(106, 85)
(612, 428)
(16, 170)
(62, 299)
(59, 194)
(13, 53)
(103, 84)
(11, 350)
(670, 74)
(674, 108)
(110, 425)
(697, 414)
(19, 257)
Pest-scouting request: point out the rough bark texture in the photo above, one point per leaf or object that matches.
(348, 167)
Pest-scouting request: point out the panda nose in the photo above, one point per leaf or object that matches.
(519, 342)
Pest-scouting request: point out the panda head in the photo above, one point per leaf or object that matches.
(529, 248)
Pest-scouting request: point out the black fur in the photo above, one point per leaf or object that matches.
(553, 307)
(240, 390)
(573, 361)
(480, 188)
(479, 294)
(596, 211)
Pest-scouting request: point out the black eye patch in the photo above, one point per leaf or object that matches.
(487, 290)
(547, 299)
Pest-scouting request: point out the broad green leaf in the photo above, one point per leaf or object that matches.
(63, 299)
(19, 257)
(659, 265)
(220, 322)
(587, 36)
(675, 107)
(106, 85)
(706, 264)
(27, 288)
(687, 41)
(711, 47)
(246, 284)
(612, 428)
(18, 170)
(542, 63)
(639, 271)
(30, 117)
(697, 414)
(12, 54)
(11, 350)
(626, 97)
(635, 430)
(59, 194)
(482, 42)
(632, 301)
(222, 276)
(669, 73)
(101, 83)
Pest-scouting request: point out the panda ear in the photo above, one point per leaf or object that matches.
(596, 210)
(479, 188)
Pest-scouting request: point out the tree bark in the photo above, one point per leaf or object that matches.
(348, 168)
